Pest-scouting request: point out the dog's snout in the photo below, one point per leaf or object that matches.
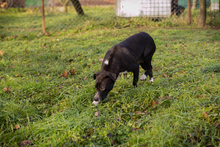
(96, 99)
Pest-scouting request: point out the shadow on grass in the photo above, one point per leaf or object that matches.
(212, 68)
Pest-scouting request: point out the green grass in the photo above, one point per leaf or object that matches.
(53, 110)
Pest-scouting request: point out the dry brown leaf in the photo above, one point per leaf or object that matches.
(25, 143)
(154, 103)
(1, 53)
(164, 75)
(97, 113)
(17, 127)
(72, 71)
(7, 89)
(167, 97)
(101, 59)
(12, 66)
(65, 74)
(139, 112)
(134, 129)
(205, 114)
(18, 75)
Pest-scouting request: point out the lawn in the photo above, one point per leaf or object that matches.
(47, 87)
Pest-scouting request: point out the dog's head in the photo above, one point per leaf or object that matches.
(104, 83)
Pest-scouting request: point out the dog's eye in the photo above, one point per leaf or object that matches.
(102, 88)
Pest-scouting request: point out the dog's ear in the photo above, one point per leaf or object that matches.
(112, 76)
(95, 75)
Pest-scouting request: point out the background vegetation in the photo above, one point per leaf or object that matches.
(47, 87)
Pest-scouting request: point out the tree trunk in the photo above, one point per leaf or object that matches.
(194, 5)
(189, 11)
(202, 17)
(77, 7)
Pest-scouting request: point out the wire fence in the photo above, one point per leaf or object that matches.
(25, 16)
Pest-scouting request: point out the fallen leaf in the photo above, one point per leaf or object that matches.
(113, 142)
(205, 114)
(17, 127)
(65, 74)
(97, 113)
(139, 112)
(199, 96)
(216, 124)
(180, 75)
(89, 132)
(25, 143)
(154, 103)
(167, 97)
(7, 89)
(18, 75)
(48, 34)
(134, 129)
(1, 53)
(164, 75)
(12, 66)
(72, 71)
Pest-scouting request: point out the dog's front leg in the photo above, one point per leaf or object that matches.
(135, 75)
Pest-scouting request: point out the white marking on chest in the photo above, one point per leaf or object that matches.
(106, 62)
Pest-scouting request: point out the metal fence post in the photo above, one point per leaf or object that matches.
(43, 17)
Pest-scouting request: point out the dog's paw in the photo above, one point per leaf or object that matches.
(152, 80)
(143, 77)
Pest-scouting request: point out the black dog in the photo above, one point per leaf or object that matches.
(125, 57)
